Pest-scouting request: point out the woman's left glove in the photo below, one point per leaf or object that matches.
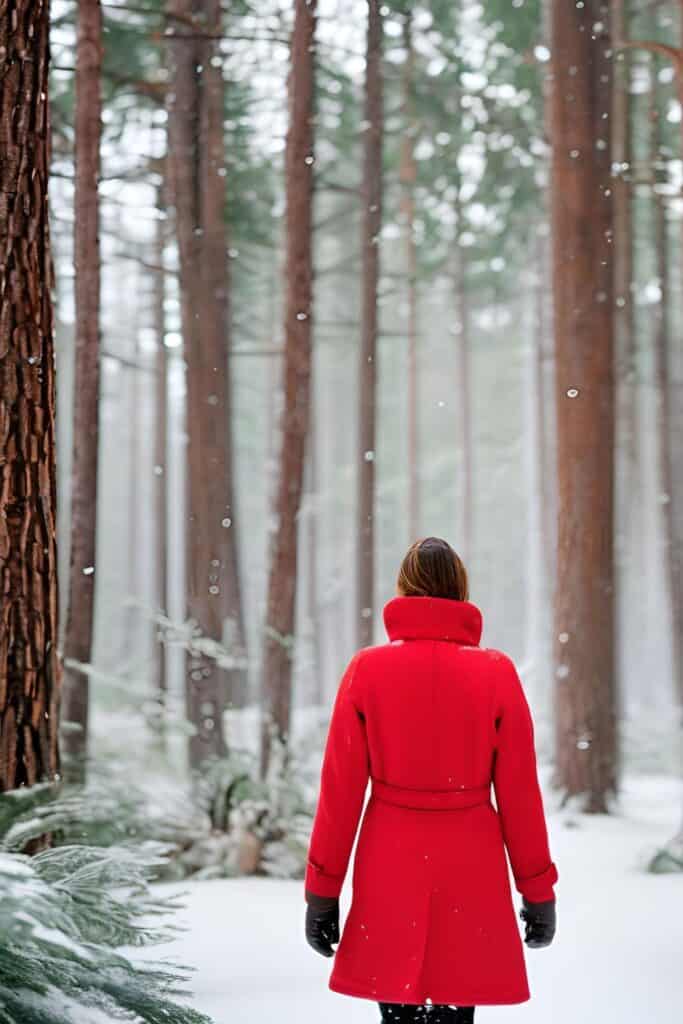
(322, 922)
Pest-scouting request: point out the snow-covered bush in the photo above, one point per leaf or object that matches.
(257, 826)
(65, 912)
(109, 809)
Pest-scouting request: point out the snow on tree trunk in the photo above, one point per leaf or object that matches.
(282, 577)
(79, 624)
(29, 667)
(198, 180)
(584, 652)
(367, 384)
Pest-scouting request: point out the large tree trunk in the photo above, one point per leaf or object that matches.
(282, 580)
(586, 753)
(197, 170)
(408, 176)
(367, 384)
(79, 624)
(29, 667)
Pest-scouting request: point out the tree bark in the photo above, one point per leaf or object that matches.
(80, 617)
(29, 666)
(586, 712)
(367, 383)
(408, 175)
(197, 170)
(282, 580)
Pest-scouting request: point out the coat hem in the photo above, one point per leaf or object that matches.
(361, 992)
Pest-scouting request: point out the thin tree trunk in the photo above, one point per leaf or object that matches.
(675, 399)
(79, 625)
(313, 555)
(630, 551)
(29, 666)
(541, 358)
(663, 390)
(282, 581)
(546, 348)
(197, 169)
(463, 390)
(133, 633)
(160, 444)
(367, 384)
(539, 496)
(408, 176)
(586, 712)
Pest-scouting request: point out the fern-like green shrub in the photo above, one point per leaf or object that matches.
(64, 915)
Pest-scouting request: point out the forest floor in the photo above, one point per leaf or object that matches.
(616, 958)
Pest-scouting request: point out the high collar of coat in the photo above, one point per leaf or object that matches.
(433, 618)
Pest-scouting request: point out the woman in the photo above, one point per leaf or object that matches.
(432, 719)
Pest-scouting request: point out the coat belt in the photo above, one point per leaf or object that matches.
(430, 799)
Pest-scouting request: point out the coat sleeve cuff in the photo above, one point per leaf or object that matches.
(320, 882)
(538, 888)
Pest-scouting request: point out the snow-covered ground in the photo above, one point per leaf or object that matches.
(617, 956)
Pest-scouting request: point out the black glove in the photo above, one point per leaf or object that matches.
(540, 922)
(322, 922)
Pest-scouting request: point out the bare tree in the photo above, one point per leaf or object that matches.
(586, 749)
(367, 383)
(282, 577)
(29, 666)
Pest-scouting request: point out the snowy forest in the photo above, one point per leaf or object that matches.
(283, 287)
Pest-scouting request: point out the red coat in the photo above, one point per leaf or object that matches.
(432, 719)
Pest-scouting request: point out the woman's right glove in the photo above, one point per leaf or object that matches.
(540, 922)
(322, 922)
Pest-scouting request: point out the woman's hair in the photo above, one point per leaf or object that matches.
(431, 568)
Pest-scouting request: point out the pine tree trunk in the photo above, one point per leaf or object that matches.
(408, 175)
(586, 713)
(312, 565)
(160, 443)
(463, 390)
(197, 170)
(29, 667)
(367, 384)
(676, 457)
(79, 624)
(540, 540)
(282, 579)
(630, 551)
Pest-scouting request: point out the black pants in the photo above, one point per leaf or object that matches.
(410, 1013)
